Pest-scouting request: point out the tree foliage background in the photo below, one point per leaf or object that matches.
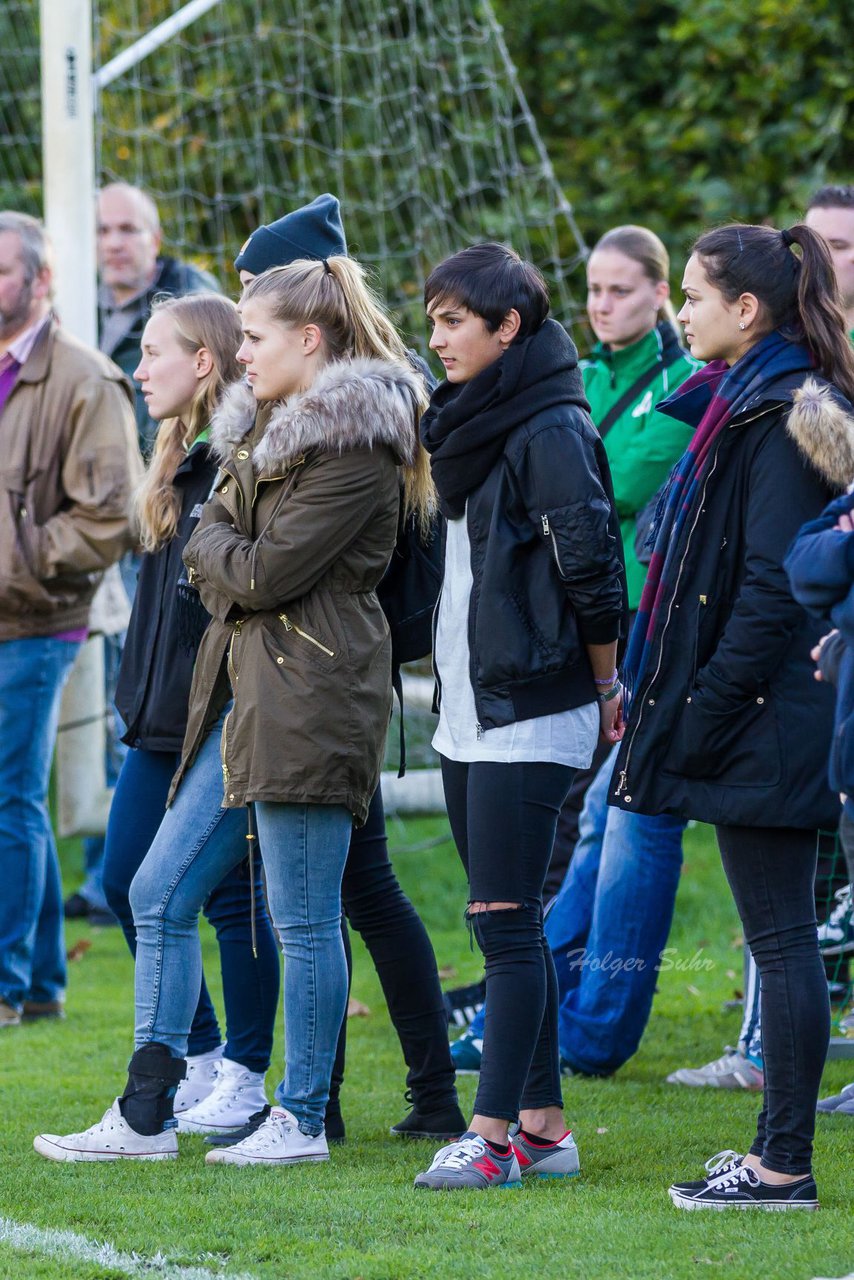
(677, 114)
(686, 114)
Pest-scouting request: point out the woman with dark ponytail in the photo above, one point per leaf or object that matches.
(726, 724)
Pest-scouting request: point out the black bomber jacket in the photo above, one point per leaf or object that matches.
(548, 571)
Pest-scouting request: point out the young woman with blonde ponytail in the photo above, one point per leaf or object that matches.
(374, 905)
(291, 692)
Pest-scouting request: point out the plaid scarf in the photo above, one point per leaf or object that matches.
(716, 395)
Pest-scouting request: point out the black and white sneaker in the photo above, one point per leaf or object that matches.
(723, 1162)
(742, 1188)
(462, 1004)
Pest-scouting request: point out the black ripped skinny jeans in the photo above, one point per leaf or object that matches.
(503, 818)
(771, 871)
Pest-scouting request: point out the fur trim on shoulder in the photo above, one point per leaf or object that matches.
(232, 420)
(351, 404)
(822, 426)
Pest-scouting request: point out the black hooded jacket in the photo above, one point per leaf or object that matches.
(153, 688)
(728, 725)
(546, 552)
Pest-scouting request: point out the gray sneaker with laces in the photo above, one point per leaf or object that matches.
(470, 1164)
(732, 1070)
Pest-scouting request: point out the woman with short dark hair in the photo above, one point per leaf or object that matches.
(532, 608)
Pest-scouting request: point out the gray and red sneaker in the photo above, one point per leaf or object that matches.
(547, 1159)
(470, 1163)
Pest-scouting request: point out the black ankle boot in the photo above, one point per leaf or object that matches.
(333, 1121)
(153, 1078)
(441, 1123)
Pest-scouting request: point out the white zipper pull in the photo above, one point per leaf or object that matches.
(479, 728)
(546, 529)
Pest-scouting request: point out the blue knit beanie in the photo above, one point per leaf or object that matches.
(315, 231)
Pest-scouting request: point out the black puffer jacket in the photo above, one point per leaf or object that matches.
(157, 667)
(728, 725)
(546, 553)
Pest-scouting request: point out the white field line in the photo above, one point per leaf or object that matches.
(66, 1244)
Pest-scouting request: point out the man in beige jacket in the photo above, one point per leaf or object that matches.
(68, 463)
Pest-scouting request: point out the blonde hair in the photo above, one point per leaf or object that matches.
(335, 295)
(200, 320)
(644, 247)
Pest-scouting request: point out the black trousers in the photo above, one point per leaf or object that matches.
(503, 819)
(398, 943)
(771, 871)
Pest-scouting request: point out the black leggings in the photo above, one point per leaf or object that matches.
(379, 910)
(771, 871)
(503, 819)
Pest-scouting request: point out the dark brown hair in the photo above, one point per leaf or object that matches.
(798, 294)
(490, 280)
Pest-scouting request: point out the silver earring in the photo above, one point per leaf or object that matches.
(741, 324)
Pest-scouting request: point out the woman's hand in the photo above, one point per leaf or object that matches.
(612, 726)
(815, 652)
(845, 524)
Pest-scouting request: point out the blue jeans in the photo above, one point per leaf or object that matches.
(250, 985)
(304, 848)
(32, 943)
(92, 888)
(608, 927)
(750, 1035)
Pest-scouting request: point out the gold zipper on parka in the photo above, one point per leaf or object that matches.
(292, 626)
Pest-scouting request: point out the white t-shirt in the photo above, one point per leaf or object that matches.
(568, 737)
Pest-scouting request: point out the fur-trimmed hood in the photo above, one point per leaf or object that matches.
(351, 404)
(821, 423)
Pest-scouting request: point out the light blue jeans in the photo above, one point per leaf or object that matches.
(32, 943)
(304, 848)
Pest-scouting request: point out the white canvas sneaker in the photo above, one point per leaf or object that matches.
(277, 1141)
(198, 1084)
(237, 1094)
(111, 1139)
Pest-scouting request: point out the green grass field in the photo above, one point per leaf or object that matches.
(358, 1216)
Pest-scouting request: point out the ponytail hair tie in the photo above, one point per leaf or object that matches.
(326, 267)
(788, 238)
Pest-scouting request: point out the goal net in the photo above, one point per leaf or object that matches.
(408, 110)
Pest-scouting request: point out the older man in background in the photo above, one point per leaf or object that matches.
(830, 212)
(69, 463)
(133, 272)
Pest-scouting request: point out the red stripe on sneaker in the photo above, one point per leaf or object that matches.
(522, 1156)
(487, 1167)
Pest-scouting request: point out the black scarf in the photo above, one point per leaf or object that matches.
(467, 424)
